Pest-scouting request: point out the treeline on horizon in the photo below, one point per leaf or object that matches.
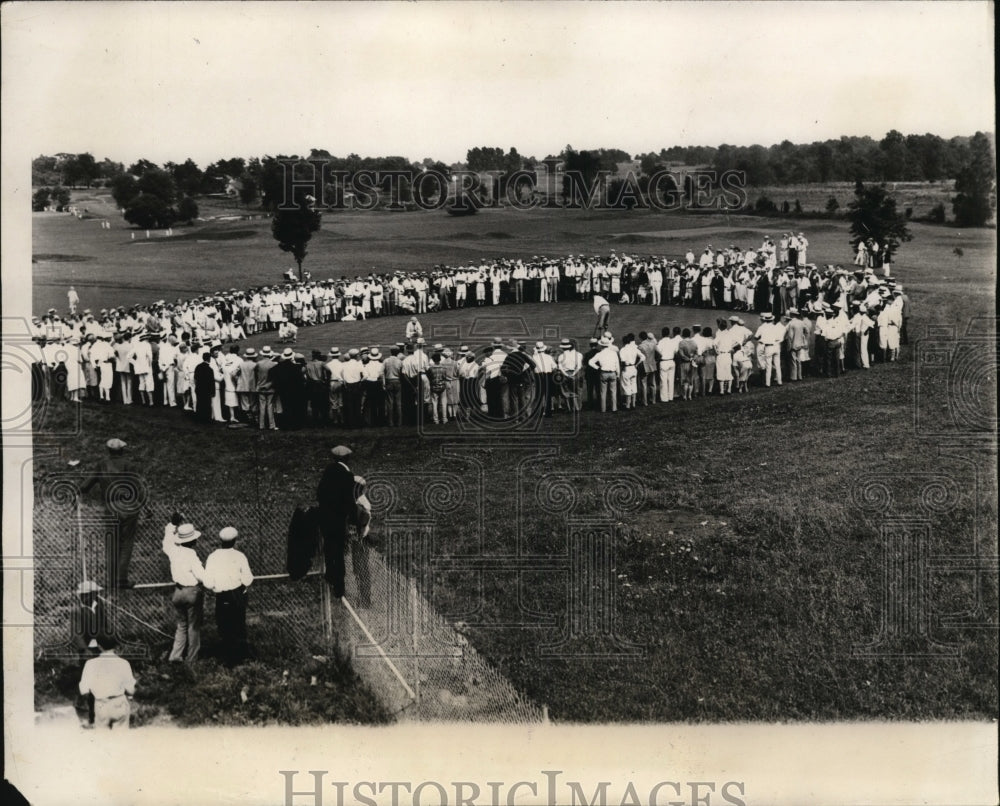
(259, 181)
(894, 158)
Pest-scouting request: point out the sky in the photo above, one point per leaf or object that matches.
(207, 81)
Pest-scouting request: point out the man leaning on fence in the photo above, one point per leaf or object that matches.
(227, 575)
(189, 597)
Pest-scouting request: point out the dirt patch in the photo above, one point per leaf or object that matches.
(48, 257)
(216, 235)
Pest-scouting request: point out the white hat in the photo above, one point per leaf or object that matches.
(228, 534)
(186, 533)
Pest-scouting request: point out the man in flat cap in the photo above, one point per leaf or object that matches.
(227, 575)
(336, 498)
(123, 493)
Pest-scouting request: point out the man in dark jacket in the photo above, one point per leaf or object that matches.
(205, 388)
(124, 494)
(336, 499)
(290, 386)
(519, 370)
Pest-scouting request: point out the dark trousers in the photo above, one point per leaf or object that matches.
(495, 388)
(374, 403)
(520, 398)
(394, 402)
(119, 549)
(593, 388)
(333, 527)
(203, 409)
(409, 392)
(352, 404)
(231, 621)
(319, 401)
(545, 390)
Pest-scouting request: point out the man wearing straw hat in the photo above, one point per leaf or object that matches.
(188, 576)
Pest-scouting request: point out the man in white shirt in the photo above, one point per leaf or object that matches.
(607, 363)
(769, 336)
(166, 360)
(545, 365)
(141, 357)
(570, 364)
(109, 679)
(666, 350)
(655, 277)
(102, 357)
(188, 575)
(335, 368)
(228, 576)
(352, 372)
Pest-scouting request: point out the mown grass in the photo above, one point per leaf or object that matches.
(750, 576)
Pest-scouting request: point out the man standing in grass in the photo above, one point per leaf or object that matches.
(188, 575)
(606, 362)
(336, 499)
(123, 493)
(109, 679)
(228, 575)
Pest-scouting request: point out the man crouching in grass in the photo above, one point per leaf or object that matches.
(109, 678)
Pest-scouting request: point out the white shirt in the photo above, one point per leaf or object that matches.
(544, 362)
(352, 371)
(606, 360)
(372, 371)
(570, 361)
(227, 569)
(667, 348)
(769, 333)
(185, 567)
(107, 676)
(630, 355)
(142, 357)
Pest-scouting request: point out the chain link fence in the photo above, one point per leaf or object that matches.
(416, 663)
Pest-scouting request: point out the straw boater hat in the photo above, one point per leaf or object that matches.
(266, 351)
(186, 533)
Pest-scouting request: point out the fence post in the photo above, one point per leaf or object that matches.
(414, 636)
(324, 598)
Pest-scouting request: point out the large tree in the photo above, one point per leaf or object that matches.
(147, 211)
(80, 169)
(976, 199)
(292, 228)
(873, 214)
